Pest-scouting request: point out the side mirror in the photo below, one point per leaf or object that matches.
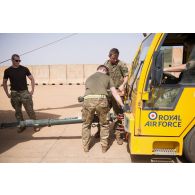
(157, 68)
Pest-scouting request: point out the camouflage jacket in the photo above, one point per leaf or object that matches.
(117, 72)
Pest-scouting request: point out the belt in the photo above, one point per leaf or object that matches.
(94, 96)
(18, 91)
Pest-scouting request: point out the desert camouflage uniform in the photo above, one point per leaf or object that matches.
(90, 106)
(19, 98)
(117, 73)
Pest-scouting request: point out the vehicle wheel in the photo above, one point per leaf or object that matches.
(189, 146)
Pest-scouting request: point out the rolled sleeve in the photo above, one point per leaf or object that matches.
(124, 69)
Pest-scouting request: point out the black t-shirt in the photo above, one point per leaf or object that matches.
(17, 77)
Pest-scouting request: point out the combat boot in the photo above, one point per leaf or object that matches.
(97, 134)
(86, 149)
(104, 149)
(36, 129)
(21, 129)
(119, 140)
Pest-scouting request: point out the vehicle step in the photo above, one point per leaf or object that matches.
(162, 160)
(164, 151)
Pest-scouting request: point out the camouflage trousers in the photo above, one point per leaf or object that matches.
(19, 98)
(90, 106)
(117, 110)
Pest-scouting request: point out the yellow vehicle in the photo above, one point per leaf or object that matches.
(161, 119)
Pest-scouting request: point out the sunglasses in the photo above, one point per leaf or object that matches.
(17, 60)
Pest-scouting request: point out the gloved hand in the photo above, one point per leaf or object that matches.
(80, 99)
(121, 110)
(125, 108)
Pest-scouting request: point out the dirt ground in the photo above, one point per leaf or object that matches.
(56, 143)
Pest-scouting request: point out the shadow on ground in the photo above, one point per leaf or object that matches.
(70, 106)
(9, 137)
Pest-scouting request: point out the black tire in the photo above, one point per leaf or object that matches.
(189, 146)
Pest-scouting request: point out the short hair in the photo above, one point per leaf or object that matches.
(15, 55)
(100, 67)
(113, 51)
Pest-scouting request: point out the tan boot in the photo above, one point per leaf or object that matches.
(21, 129)
(118, 139)
(36, 129)
(104, 149)
(86, 149)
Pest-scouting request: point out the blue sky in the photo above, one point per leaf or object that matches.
(82, 48)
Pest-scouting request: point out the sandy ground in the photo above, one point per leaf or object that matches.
(56, 143)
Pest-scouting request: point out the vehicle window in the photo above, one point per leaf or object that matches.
(188, 75)
(139, 60)
(173, 57)
(178, 71)
(163, 97)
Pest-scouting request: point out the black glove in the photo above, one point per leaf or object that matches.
(125, 108)
(121, 110)
(80, 99)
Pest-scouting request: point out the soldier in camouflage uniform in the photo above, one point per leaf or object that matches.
(119, 73)
(19, 91)
(95, 100)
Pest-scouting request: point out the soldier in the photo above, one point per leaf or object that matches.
(95, 100)
(187, 70)
(119, 73)
(19, 91)
(190, 62)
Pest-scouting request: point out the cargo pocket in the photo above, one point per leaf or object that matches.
(15, 99)
(104, 103)
(27, 99)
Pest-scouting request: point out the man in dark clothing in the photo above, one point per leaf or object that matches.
(95, 100)
(19, 91)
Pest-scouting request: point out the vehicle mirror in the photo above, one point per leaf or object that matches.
(157, 68)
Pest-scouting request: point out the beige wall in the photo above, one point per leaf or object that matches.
(58, 74)
(2, 69)
(177, 56)
(41, 74)
(89, 69)
(74, 73)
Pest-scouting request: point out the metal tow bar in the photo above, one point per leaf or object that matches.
(52, 122)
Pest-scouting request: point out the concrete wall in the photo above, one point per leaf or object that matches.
(177, 56)
(89, 69)
(2, 69)
(41, 74)
(74, 74)
(58, 74)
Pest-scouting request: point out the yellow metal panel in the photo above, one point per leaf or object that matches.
(146, 145)
(170, 122)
